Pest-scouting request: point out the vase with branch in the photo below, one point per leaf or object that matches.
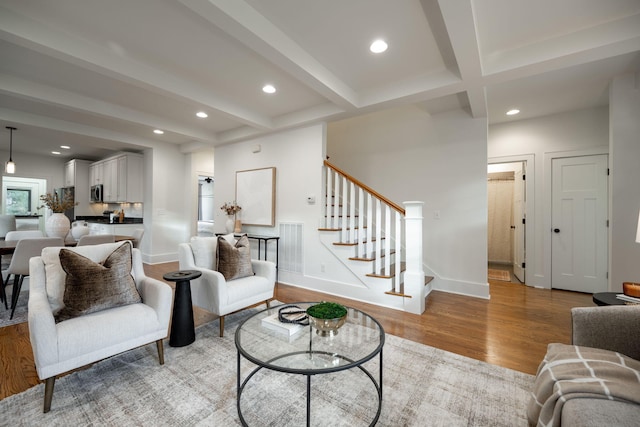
(231, 209)
(57, 225)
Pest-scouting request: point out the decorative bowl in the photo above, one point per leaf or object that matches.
(327, 326)
(631, 289)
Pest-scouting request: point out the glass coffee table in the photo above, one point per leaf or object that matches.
(308, 353)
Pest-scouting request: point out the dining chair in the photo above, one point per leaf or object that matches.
(19, 267)
(96, 239)
(24, 234)
(15, 236)
(7, 223)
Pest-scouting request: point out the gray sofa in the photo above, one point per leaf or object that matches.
(614, 329)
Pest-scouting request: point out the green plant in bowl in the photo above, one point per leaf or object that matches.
(327, 317)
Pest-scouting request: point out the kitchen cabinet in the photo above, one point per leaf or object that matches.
(110, 181)
(95, 173)
(76, 172)
(119, 229)
(121, 177)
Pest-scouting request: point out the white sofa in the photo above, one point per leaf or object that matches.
(70, 344)
(213, 293)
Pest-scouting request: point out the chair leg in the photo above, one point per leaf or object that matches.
(4, 285)
(160, 351)
(48, 393)
(221, 326)
(3, 294)
(17, 285)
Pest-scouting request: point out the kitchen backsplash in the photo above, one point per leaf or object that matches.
(131, 210)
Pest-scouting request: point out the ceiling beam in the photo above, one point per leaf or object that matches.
(21, 88)
(43, 122)
(246, 25)
(20, 30)
(461, 27)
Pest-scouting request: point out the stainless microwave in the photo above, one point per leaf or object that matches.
(96, 193)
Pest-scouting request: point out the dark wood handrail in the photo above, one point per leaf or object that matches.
(366, 188)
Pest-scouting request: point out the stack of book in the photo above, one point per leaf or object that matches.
(627, 299)
(272, 322)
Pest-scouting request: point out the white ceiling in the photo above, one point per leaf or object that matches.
(101, 75)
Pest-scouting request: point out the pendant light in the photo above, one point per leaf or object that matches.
(10, 166)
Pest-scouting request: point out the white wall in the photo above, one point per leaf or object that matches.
(197, 163)
(298, 158)
(624, 101)
(34, 166)
(406, 154)
(574, 133)
(166, 203)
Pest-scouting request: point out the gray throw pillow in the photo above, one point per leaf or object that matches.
(234, 262)
(91, 287)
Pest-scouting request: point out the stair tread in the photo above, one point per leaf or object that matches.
(400, 293)
(392, 273)
(370, 257)
(355, 243)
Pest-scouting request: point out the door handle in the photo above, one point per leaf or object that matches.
(556, 230)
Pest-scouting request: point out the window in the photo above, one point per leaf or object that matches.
(18, 201)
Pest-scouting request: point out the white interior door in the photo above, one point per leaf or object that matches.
(519, 198)
(579, 224)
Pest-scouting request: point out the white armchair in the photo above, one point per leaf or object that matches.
(213, 293)
(69, 344)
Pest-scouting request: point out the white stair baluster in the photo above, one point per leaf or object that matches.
(387, 241)
(377, 265)
(361, 229)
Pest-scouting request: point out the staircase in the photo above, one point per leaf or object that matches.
(378, 240)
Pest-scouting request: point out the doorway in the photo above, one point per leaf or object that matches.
(21, 197)
(506, 221)
(579, 238)
(206, 213)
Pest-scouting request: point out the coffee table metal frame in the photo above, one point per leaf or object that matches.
(269, 364)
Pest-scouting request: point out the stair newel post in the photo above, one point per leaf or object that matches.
(414, 274)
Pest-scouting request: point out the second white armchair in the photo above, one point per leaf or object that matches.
(213, 292)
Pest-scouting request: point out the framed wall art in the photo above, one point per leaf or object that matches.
(256, 195)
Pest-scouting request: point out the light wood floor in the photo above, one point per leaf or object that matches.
(512, 329)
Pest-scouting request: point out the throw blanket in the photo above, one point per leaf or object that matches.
(570, 372)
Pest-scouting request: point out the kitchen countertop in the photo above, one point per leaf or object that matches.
(105, 220)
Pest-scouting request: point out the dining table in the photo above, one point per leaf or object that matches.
(8, 247)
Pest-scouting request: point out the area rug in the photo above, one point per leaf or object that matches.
(423, 386)
(502, 275)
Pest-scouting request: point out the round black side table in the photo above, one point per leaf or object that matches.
(607, 298)
(183, 331)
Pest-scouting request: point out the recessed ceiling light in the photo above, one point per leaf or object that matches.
(55, 152)
(378, 46)
(65, 147)
(513, 112)
(158, 131)
(202, 114)
(269, 89)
